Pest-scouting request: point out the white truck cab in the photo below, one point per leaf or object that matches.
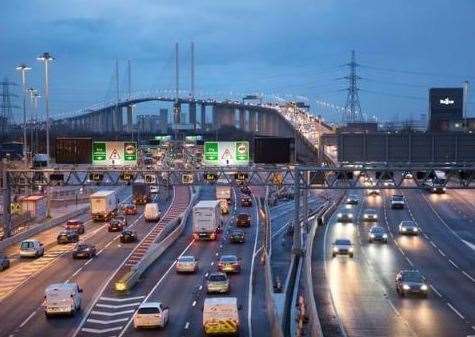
(62, 298)
(152, 212)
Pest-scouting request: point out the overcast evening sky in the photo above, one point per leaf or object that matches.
(280, 48)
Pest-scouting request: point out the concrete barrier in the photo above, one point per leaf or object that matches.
(130, 279)
(34, 230)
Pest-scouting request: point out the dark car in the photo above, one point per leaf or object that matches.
(246, 201)
(128, 235)
(84, 250)
(411, 282)
(243, 220)
(130, 209)
(75, 225)
(4, 262)
(237, 236)
(67, 237)
(352, 200)
(377, 233)
(116, 225)
(246, 190)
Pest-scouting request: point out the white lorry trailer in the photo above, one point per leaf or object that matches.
(206, 220)
(103, 205)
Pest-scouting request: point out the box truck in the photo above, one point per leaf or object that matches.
(103, 205)
(206, 220)
(221, 316)
(140, 193)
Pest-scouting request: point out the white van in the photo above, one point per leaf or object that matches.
(152, 212)
(31, 248)
(62, 298)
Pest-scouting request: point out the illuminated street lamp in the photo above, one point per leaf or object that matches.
(23, 68)
(46, 58)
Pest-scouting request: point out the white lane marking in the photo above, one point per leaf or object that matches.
(394, 308)
(118, 306)
(106, 313)
(216, 254)
(441, 252)
(453, 263)
(101, 330)
(98, 321)
(435, 290)
(433, 244)
(157, 285)
(206, 275)
(402, 252)
(471, 245)
(193, 304)
(212, 263)
(251, 274)
(125, 299)
(27, 319)
(87, 262)
(442, 220)
(187, 325)
(455, 310)
(470, 277)
(99, 252)
(410, 262)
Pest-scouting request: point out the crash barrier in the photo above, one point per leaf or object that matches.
(308, 295)
(273, 317)
(36, 229)
(151, 247)
(271, 309)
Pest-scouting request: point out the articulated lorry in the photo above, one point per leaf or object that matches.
(140, 193)
(103, 205)
(206, 220)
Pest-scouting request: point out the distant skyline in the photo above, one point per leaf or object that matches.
(289, 49)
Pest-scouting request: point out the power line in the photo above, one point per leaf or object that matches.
(420, 73)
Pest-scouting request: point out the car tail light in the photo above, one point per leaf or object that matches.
(213, 236)
(195, 236)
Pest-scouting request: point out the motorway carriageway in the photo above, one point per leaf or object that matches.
(22, 314)
(363, 288)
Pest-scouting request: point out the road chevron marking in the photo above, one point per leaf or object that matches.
(111, 306)
(125, 299)
(104, 313)
(98, 331)
(98, 321)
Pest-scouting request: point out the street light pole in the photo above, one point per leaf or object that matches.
(33, 92)
(23, 68)
(46, 58)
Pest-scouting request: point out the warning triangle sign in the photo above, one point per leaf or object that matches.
(114, 154)
(227, 154)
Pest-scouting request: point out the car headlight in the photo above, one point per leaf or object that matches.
(350, 215)
(350, 249)
(366, 216)
(405, 287)
(371, 236)
(385, 236)
(335, 249)
(424, 287)
(375, 215)
(415, 229)
(339, 215)
(348, 200)
(403, 229)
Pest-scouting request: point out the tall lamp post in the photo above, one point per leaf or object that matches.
(46, 58)
(23, 68)
(33, 100)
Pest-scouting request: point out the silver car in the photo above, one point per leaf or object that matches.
(31, 248)
(186, 264)
(342, 247)
(408, 228)
(370, 215)
(377, 233)
(218, 283)
(345, 215)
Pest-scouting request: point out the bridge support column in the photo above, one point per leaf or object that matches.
(176, 113)
(252, 121)
(261, 123)
(203, 116)
(129, 119)
(227, 116)
(242, 119)
(216, 119)
(192, 109)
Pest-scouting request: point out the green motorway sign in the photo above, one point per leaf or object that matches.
(226, 153)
